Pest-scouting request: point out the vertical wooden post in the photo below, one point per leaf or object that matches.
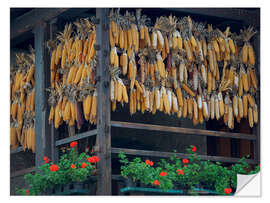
(257, 130)
(104, 108)
(54, 131)
(54, 149)
(42, 129)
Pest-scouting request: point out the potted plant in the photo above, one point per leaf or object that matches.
(69, 176)
(190, 175)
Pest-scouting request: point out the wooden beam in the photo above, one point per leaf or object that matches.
(22, 172)
(189, 131)
(42, 128)
(251, 17)
(54, 131)
(76, 137)
(54, 149)
(29, 20)
(71, 131)
(17, 150)
(104, 108)
(180, 155)
(257, 130)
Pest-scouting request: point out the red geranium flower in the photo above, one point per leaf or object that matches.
(185, 165)
(27, 192)
(96, 158)
(156, 182)
(72, 166)
(93, 159)
(163, 173)
(194, 149)
(227, 190)
(83, 165)
(185, 161)
(180, 172)
(46, 160)
(148, 162)
(54, 167)
(73, 144)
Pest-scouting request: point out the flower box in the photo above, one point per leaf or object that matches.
(136, 188)
(186, 176)
(87, 187)
(72, 175)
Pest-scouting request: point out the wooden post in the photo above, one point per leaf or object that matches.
(104, 107)
(42, 129)
(54, 131)
(71, 131)
(257, 130)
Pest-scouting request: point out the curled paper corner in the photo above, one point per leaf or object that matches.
(248, 185)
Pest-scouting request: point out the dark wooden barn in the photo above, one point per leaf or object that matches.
(143, 135)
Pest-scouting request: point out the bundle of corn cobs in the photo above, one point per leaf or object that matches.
(73, 92)
(182, 67)
(22, 98)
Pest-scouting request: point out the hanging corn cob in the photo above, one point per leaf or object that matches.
(165, 67)
(22, 111)
(72, 92)
(248, 56)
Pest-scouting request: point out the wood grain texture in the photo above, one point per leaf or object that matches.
(22, 172)
(104, 107)
(257, 131)
(180, 155)
(17, 150)
(250, 17)
(76, 137)
(42, 128)
(71, 131)
(32, 18)
(189, 131)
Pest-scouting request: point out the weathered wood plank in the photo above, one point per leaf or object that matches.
(181, 155)
(29, 20)
(22, 172)
(76, 137)
(54, 149)
(189, 131)
(17, 150)
(104, 107)
(248, 16)
(71, 131)
(54, 131)
(42, 128)
(257, 130)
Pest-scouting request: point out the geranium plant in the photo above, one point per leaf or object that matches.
(72, 167)
(185, 174)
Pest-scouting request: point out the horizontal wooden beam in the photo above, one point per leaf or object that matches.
(22, 172)
(17, 150)
(180, 155)
(251, 17)
(76, 137)
(190, 131)
(30, 19)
